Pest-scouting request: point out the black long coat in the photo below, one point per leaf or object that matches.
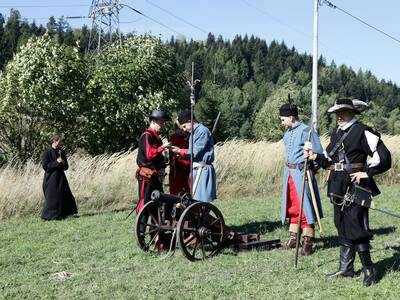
(59, 201)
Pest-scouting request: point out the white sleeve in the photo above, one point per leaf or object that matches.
(372, 140)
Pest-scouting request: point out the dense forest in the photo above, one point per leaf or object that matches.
(246, 79)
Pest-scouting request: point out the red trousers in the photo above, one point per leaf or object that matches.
(145, 188)
(293, 206)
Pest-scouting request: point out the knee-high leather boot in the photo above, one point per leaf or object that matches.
(368, 269)
(346, 262)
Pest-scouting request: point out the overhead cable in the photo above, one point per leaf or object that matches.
(330, 4)
(152, 19)
(177, 17)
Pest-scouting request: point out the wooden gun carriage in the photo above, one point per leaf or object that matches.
(198, 228)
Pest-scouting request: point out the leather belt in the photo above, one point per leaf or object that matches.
(340, 167)
(197, 165)
(294, 166)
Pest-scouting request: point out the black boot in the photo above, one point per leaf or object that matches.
(368, 269)
(346, 262)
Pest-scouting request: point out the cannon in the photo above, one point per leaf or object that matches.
(197, 228)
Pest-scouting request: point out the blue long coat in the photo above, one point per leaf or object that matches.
(203, 153)
(294, 139)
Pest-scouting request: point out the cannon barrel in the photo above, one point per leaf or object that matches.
(157, 196)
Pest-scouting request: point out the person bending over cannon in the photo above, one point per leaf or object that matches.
(150, 159)
(349, 175)
(294, 139)
(204, 177)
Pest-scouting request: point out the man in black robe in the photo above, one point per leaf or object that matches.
(59, 201)
(346, 158)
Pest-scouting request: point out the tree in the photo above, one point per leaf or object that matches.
(127, 82)
(42, 93)
(267, 124)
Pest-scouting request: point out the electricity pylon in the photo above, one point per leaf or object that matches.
(105, 23)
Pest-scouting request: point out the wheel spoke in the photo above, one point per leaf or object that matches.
(213, 222)
(149, 225)
(202, 249)
(154, 219)
(151, 241)
(150, 231)
(204, 215)
(194, 250)
(216, 245)
(189, 239)
(190, 230)
(209, 242)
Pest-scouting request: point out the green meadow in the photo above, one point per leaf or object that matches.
(95, 256)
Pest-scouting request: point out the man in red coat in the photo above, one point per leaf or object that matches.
(179, 167)
(150, 159)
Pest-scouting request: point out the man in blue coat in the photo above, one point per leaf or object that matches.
(296, 136)
(204, 177)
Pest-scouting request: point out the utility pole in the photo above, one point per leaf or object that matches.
(314, 95)
(105, 23)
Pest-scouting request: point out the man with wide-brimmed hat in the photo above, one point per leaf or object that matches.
(346, 159)
(150, 159)
(297, 135)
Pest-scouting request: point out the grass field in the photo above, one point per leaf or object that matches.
(96, 257)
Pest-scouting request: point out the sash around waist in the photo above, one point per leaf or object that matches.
(201, 165)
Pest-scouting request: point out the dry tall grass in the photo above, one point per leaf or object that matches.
(108, 182)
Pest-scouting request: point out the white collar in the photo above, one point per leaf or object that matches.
(348, 125)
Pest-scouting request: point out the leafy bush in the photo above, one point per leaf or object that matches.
(42, 91)
(126, 82)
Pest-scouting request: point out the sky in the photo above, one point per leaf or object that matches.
(341, 38)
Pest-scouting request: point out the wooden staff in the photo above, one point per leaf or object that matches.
(303, 186)
(314, 200)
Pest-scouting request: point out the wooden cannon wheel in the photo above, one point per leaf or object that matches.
(153, 233)
(200, 231)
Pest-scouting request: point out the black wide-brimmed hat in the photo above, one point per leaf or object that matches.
(159, 115)
(355, 105)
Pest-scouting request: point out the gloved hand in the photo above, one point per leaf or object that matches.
(307, 146)
(308, 153)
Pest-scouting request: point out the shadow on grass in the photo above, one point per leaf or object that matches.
(96, 213)
(390, 264)
(257, 227)
(332, 240)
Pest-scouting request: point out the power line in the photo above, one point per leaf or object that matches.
(150, 18)
(308, 36)
(330, 4)
(177, 17)
(275, 18)
(78, 17)
(41, 6)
